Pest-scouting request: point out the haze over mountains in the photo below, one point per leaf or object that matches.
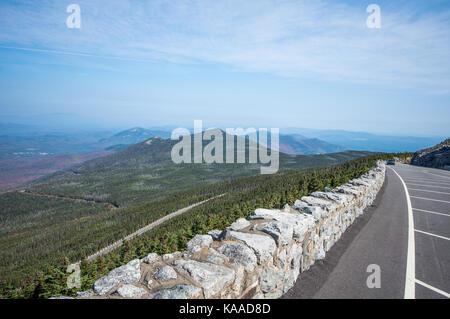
(147, 168)
(369, 141)
(28, 152)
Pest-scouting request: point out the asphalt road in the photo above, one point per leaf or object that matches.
(383, 237)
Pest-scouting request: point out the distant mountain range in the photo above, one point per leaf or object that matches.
(132, 136)
(21, 145)
(294, 144)
(367, 141)
(147, 168)
(300, 145)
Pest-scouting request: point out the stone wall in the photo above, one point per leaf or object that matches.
(258, 257)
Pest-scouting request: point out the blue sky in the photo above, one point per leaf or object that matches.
(286, 63)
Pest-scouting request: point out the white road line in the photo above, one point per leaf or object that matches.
(430, 212)
(425, 181)
(428, 178)
(425, 190)
(410, 286)
(447, 177)
(439, 291)
(430, 234)
(434, 186)
(434, 200)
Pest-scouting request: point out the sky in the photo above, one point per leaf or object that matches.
(311, 64)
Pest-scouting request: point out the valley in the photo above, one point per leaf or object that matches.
(63, 208)
(70, 214)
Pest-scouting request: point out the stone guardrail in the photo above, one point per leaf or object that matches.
(258, 257)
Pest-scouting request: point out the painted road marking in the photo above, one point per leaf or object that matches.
(425, 190)
(447, 177)
(428, 178)
(410, 283)
(427, 185)
(439, 291)
(425, 181)
(430, 234)
(430, 212)
(434, 200)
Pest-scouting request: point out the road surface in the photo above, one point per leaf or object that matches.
(406, 232)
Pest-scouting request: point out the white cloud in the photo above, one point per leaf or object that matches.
(311, 39)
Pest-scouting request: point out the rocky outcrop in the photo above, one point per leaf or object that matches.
(258, 257)
(128, 273)
(435, 158)
(130, 291)
(165, 273)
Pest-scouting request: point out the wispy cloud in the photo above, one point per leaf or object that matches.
(310, 39)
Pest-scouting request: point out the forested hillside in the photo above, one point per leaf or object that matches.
(145, 171)
(89, 226)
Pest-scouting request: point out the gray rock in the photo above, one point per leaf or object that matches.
(297, 253)
(274, 294)
(212, 278)
(319, 252)
(215, 234)
(128, 273)
(151, 258)
(263, 213)
(323, 203)
(348, 189)
(240, 254)
(215, 259)
(270, 278)
(171, 256)
(165, 273)
(337, 197)
(259, 295)
(316, 211)
(216, 253)
(359, 182)
(200, 240)
(178, 292)
(289, 282)
(282, 259)
(300, 222)
(87, 293)
(61, 297)
(130, 291)
(437, 157)
(191, 251)
(239, 224)
(238, 285)
(263, 246)
(282, 232)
